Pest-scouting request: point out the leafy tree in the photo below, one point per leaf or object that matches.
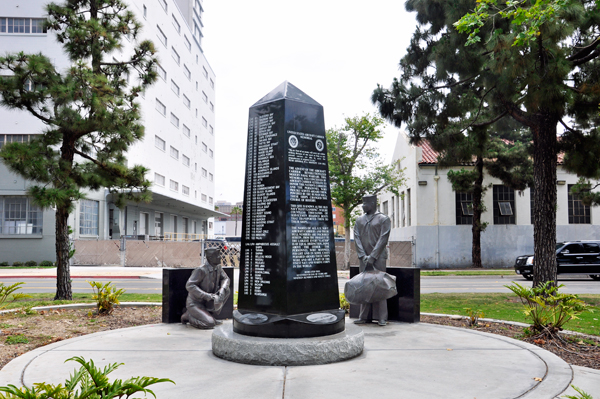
(549, 79)
(236, 211)
(89, 110)
(486, 149)
(355, 169)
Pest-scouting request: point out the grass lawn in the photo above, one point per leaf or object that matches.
(507, 272)
(506, 307)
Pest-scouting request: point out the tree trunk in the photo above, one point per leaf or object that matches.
(63, 275)
(544, 199)
(347, 242)
(476, 229)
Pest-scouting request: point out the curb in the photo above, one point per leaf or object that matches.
(85, 306)
(510, 323)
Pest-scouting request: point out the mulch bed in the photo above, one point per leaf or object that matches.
(576, 350)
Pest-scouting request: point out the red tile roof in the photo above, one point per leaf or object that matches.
(429, 155)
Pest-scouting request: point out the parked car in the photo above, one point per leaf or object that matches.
(572, 257)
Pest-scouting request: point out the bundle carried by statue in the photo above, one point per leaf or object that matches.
(370, 286)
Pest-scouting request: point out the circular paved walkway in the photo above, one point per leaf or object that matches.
(399, 361)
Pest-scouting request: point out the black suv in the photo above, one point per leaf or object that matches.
(575, 257)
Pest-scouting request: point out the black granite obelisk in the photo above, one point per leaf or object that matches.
(288, 277)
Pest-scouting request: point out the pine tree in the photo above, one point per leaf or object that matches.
(553, 78)
(90, 112)
(355, 169)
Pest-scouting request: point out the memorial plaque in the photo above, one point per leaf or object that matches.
(287, 266)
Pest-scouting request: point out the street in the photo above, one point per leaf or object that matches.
(446, 284)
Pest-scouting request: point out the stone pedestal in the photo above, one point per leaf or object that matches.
(174, 294)
(406, 306)
(239, 348)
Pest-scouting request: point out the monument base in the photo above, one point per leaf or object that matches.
(305, 325)
(239, 348)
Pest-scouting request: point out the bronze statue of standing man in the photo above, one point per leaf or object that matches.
(371, 235)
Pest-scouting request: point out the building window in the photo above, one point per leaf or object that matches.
(173, 185)
(186, 131)
(531, 193)
(204, 147)
(18, 215)
(578, 212)
(210, 177)
(385, 208)
(464, 208)
(175, 55)
(203, 197)
(174, 87)
(205, 72)
(186, 101)
(210, 200)
(195, 166)
(161, 72)
(174, 153)
(160, 107)
(211, 130)
(185, 190)
(204, 172)
(204, 122)
(22, 25)
(174, 120)
(187, 72)
(212, 83)
(14, 138)
(211, 153)
(188, 44)
(212, 107)
(163, 4)
(408, 219)
(185, 160)
(88, 217)
(158, 223)
(145, 11)
(204, 97)
(176, 24)
(504, 205)
(159, 143)
(159, 180)
(161, 36)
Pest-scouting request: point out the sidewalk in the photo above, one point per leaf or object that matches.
(399, 361)
(86, 272)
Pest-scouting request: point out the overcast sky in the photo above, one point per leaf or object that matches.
(336, 51)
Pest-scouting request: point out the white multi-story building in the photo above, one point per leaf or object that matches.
(439, 220)
(178, 112)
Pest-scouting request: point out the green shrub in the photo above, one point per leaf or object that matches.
(547, 308)
(16, 339)
(106, 296)
(31, 263)
(17, 264)
(3, 263)
(581, 392)
(344, 304)
(474, 316)
(87, 382)
(6, 290)
(46, 263)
